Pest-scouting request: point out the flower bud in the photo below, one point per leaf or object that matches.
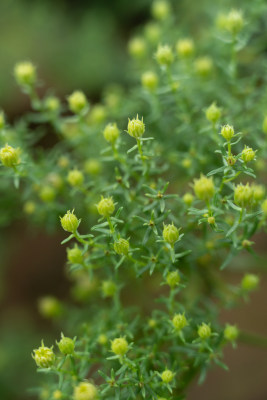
(75, 255)
(170, 234)
(164, 55)
(106, 206)
(213, 113)
(52, 104)
(66, 345)
(77, 102)
(188, 199)
(9, 156)
(102, 339)
(152, 323)
(150, 80)
(227, 132)
(92, 167)
(204, 188)
(160, 9)
(185, 48)
(137, 47)
(47, 194)
(111, 132)
(29, 207)
(136, 127)
(203, 66)
(179, 321)
(243, 195)
(70, 222)
(234, 22)
(75, 178)
(231, 332)
(211, 220)
(63, 162)
(204, 331)
(248, 154)
(258, 192)
(108, 288)
(57, 395)
(167, 376)
(121, 246)
(187, 162)
(152, 32)
(49, 307)
(44, 356)
(85, 391)
(173, 279)
(119, 346)
(25, 73)
(97, 115)
(250, 282)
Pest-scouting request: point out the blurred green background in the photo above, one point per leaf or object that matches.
(82, 45)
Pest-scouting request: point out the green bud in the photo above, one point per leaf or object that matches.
(231, 333)
(121, 246)
(173, 279)
(250, 282)
(204, 331)
(66, 345)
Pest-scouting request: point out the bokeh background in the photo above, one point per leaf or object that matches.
(83, 45)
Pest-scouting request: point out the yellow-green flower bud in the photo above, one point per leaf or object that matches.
(231, 332)
(258, 192)
(203, 66)
(227, 132)
(234, 22)
(160, 9)
(70, 222)
(152, 32)
(25, 73)
(150, 80)
(179, 322)
(248, 154)
(75, 255)
(111, 132)
(52, 104)
(187, 163)
(102, 339)
(98, 114)
(204, 188)
(264, 124)
(119, 346)
(108, 288)
(221, 21)
(211, 220)
(49, 307)
(85, 391)
(188, 199)
(66, 345)
(75, 178)
(264, 208)
(29, 207)
(2, 120)
(152, 323)
(63, 162)
(47, 194)
(250, 282)
(170, 234)
(164, 55)
(92, 167)
(204, 331)
(121, 246)
(173, 279)
(243, 195)
(137, 47)
(44, 356)
(77, 102)
(136, 127)
(9, 156)
(106, 206)
(213, 113)
(185, 48)
(167, 376)
(57, 395)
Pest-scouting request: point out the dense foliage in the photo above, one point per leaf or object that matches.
(159, 188)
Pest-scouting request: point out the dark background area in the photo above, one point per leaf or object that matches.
(83, 45)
